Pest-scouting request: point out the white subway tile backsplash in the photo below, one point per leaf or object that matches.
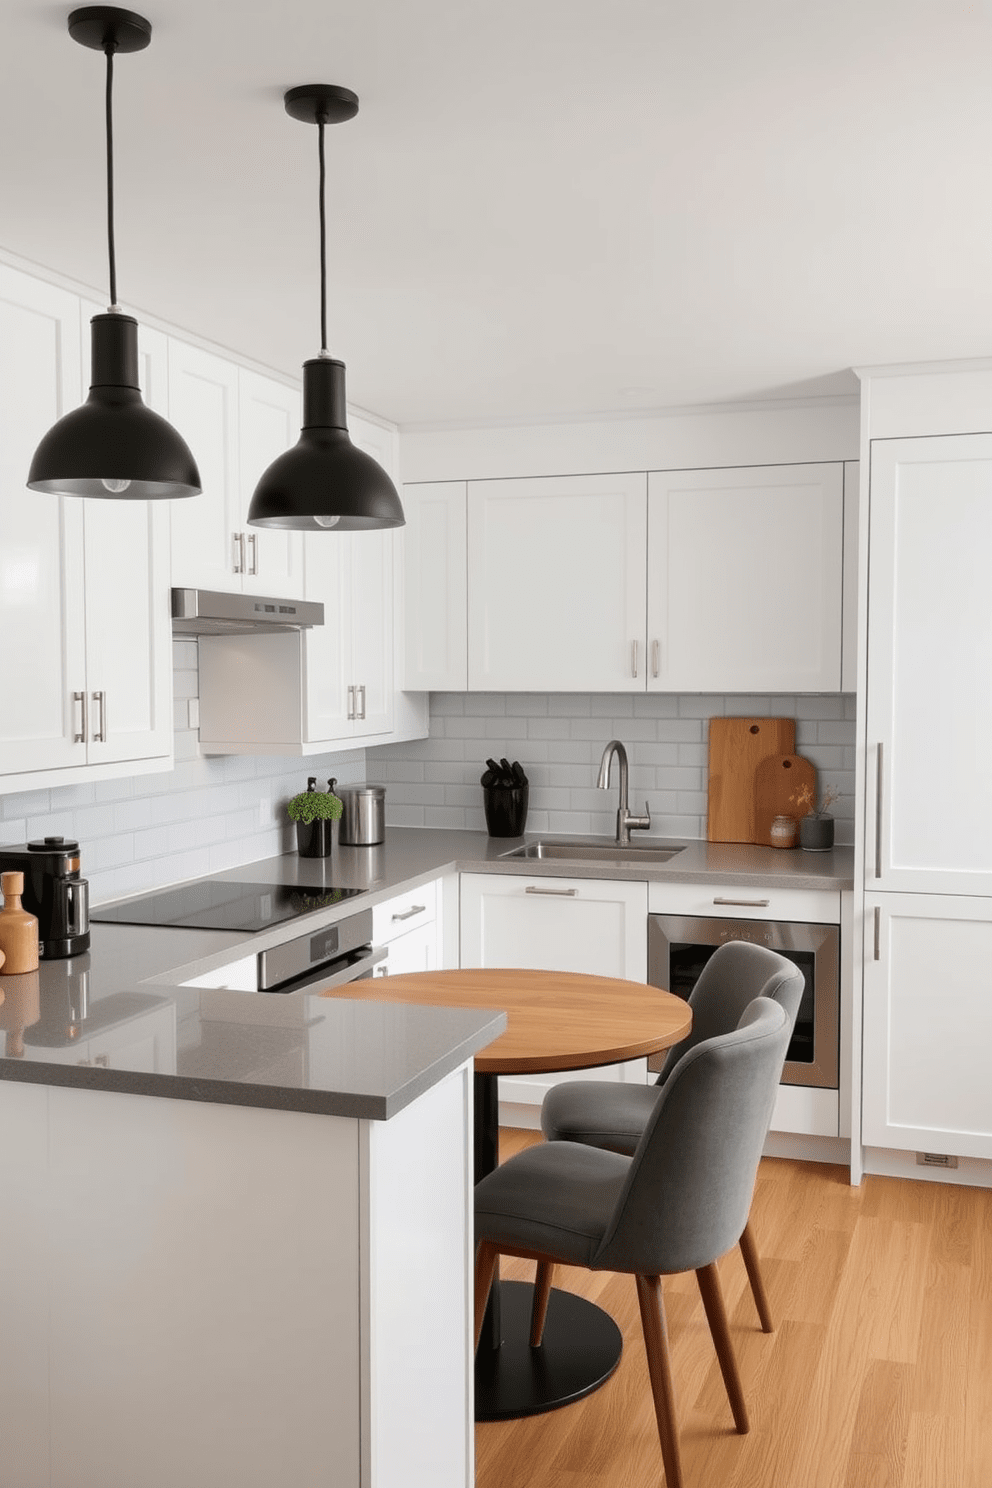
(666, 736)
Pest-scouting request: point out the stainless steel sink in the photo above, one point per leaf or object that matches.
(591, 852)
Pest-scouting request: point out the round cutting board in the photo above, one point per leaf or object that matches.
(778, 781)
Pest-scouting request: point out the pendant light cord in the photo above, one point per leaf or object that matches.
(110, 48)
(323, 237)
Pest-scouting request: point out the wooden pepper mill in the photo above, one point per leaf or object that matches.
(18, 929)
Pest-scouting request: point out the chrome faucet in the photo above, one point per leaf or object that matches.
(627, 822)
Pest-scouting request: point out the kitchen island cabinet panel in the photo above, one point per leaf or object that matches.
(596, 926)
(927, 1024)
(745, 579)
(556, 584)
(213, 1293)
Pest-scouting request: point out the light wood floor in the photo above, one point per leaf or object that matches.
(879, 1373)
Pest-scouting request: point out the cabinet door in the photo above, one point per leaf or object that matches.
(42, 661)
(327, 647)
(371, 621)
(556, 924)
(927, 1024)
(929, 705)
(435, 591)
(556, 584)
(207, 547)
(414, 951)
(745, 579)
(128, 621)
(268, 425)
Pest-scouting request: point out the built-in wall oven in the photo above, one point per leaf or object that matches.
(679, 946)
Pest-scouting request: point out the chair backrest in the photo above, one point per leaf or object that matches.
(737, 972)
(686, 1198)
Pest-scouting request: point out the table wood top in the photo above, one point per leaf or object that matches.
(555, 1020)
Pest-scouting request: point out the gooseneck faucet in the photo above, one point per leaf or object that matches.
(627, 822)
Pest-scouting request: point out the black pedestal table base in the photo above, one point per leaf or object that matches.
(581, 1346)
(580, 1350)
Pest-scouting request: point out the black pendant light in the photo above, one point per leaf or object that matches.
(113, 446)
(324, 481)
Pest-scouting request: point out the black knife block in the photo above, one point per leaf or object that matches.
(506, 809)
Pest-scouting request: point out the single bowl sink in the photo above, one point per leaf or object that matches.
(544, 850)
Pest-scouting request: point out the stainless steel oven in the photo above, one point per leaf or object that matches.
(679, 946)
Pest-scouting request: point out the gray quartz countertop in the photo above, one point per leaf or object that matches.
(119, 1018)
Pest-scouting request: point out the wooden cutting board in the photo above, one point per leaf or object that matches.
(778, 780)
(737, 747)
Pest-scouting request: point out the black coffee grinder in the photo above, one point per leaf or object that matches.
(54, 891)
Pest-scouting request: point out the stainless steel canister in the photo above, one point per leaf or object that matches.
(363, 820)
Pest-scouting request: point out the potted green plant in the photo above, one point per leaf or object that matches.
(313, 811)
(816, 827)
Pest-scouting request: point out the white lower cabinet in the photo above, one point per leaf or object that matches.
(927, 1024)
(409, 927)
(556, 924)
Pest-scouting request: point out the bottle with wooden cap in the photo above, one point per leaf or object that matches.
(18, 929)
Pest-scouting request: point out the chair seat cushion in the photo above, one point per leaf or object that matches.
(601, 1113)
(555, 1198)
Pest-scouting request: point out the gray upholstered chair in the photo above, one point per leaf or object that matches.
(678, 1204)
(612, 1115)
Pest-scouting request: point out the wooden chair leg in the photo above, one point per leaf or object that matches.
(753, 1267)
(539, 1308)
(716, 1315)
(652, 1306)
(486, 1258)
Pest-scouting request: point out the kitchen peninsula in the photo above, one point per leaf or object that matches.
(215, 1272)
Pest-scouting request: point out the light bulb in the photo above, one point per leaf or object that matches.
(323, 520)
(115, 487)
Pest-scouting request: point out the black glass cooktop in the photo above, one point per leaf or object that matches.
(213, 905)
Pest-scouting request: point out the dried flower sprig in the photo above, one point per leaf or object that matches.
(805, 800)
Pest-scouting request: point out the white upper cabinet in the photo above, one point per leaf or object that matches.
(436, 587)
(236, 423)
(268, 425)
(745, 579)
(556, 584)
(929, 704)
(85, 669)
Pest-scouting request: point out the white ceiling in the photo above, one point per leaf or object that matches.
(544, 207)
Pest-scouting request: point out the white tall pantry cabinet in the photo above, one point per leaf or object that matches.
(927, 865)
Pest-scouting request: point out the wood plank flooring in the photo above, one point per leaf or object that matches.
(879, 1373)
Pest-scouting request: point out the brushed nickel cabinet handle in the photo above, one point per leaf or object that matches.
(409, 913)
(253, 550)
(351, 702)
(101, 736)
(878, 811)
(878, 933)
(746, 903)
(656, 658)
(361, 706)
(238, 539)
(633, 658)
(79, 737)
(558, 893)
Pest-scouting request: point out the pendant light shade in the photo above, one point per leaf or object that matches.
(113, 446)
(324, 483)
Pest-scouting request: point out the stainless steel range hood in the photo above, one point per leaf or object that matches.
(210, 612)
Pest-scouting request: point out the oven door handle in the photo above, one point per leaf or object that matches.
(745, 903)
(352, 972)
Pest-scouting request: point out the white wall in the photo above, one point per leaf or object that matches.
(203, 816)
(559, 740)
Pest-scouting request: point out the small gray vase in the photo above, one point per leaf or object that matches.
(816, 833)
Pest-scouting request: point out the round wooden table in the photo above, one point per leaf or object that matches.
(555, 1021)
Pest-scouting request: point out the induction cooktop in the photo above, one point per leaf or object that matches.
(221, 905)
